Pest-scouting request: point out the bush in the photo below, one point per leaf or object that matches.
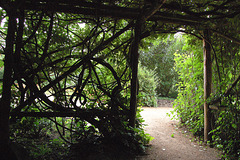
(227, 130)
(189, 103)
(160, 58)
(147, 87)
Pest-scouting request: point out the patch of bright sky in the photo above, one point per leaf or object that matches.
(3, 21)
(82, 25)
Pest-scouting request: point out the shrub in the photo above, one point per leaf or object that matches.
(160, 58)
(147, 87)
(189, 103)
(227, 130)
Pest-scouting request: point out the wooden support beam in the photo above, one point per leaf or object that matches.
(5, 101)
(82, 114)
(134, 62)
(144, 15)
(134, 67)
(218, 108)
(207, 83)
(226, 93)
(101, 10)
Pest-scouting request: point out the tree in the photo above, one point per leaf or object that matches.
(160, 58)
(147, 86)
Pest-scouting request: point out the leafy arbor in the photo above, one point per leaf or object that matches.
(80, 58)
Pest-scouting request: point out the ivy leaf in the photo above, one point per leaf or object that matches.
(234, 126)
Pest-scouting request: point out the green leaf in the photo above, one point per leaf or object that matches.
(234, 126)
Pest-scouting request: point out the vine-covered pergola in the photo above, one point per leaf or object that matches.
(79, 58)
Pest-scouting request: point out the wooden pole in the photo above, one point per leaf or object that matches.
(146, 14)
(207, 82)
(134, 67)
(5, 100)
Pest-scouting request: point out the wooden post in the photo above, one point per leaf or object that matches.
(134, 56)
(207, 82)
(5, 100)
(134, 67)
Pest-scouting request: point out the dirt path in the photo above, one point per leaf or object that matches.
(170, 143)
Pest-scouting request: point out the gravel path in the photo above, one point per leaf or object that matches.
(171, 143)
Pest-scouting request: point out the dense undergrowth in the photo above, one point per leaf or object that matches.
(45, 139)
(225, 124)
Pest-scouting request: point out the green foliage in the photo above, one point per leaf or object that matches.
(147, 86)
(189, 103)
(160, 57)
(44, 148)
(226, 133)
(143, 138)
(31, 127)
(82, 64)
(43, 140)
(226, 68)
(78, 63)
